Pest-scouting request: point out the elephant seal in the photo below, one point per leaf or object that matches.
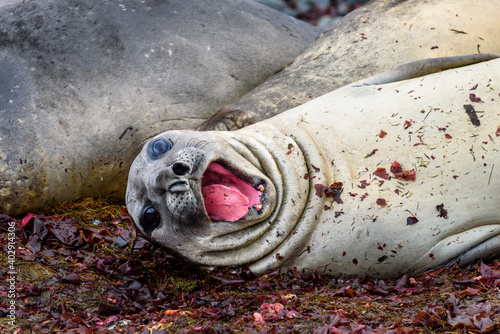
(83, 84)
(372, 180)
(372, 39)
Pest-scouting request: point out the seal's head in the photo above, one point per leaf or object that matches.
(188, 190)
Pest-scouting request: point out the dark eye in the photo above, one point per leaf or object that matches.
(159, 147)
(150, 219)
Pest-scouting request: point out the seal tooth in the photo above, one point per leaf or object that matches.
(261, 188)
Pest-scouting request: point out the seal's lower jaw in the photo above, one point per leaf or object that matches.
(231, 196)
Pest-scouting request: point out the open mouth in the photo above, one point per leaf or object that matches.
(226, 196)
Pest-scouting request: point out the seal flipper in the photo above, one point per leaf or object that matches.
(488, 249)
(423, 67)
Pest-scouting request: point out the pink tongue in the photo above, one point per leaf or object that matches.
(226, 196)
(224, 203)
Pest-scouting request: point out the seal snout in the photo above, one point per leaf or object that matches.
(175, 177)
(171, 183)
(181, 168)
(167, 181)
(178, 187)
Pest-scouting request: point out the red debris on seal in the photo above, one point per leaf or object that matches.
(227, 197)
(401, 174)
(382, 173)
(411, 220)
(474, 98)
(334, 191)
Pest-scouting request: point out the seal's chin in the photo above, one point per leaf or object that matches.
(227, 196)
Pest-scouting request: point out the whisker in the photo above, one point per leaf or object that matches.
(202, 144)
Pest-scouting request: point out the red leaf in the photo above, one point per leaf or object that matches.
(26, 219)
(474, 98)
(470, 292)
(229, 281)
(487, 272)
(408, 124)
(401, 174)
(33, 290)
(380, 172)
(72, 278)
(411, 220)
(320, 189)
(334, 191)
(66, 233)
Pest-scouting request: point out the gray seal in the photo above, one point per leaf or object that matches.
(83, 84)
(372, 39)
(371, 179)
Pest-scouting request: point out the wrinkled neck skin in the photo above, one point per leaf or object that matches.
(269, 244)
(380, 226)
(363, 236)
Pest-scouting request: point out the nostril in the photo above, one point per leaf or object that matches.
(180, 168)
